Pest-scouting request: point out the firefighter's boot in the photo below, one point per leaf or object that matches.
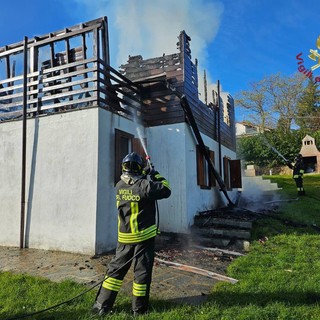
(99, 309)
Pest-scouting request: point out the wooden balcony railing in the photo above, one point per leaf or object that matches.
(75, 85)
(66, 70)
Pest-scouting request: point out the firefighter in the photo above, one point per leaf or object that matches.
(298, 171)
(136, 197)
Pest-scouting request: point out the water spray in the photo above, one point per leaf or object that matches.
(142, 141)
(143, 144)
(273, 148)
(149, 161)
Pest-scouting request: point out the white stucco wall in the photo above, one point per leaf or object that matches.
(166, 147)
(61, 179)
(70, 194)
(203, 199)
(173, 150)
(107, 221)
(10, 177)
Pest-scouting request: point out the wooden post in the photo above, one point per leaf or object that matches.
(24, 141)
(219, 129)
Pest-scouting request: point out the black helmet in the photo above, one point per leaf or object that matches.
(298, 157)
(132, 163)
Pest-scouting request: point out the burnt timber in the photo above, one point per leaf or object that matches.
(163, 107)
(70, 69)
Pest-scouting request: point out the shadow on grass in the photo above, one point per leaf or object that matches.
(224, 299)
(230, 299)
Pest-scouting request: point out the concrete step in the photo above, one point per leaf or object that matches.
(202, 221)
(258, 183)
(223, 228)
(228, 233)
(238, 244)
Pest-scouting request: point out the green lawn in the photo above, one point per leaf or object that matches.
(278, 279)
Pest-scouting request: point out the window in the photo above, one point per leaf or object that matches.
(124, 144)
(205, 177)
(226, 172)
(231, 173)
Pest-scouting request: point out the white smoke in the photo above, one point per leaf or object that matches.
(151, 28)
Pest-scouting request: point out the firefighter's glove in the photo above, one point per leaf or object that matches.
(148, 170)
(153, 174)
(289, 164)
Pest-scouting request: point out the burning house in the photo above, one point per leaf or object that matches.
(67, 118)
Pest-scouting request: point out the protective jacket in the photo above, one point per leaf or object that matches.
(298, 169)
(136, 197)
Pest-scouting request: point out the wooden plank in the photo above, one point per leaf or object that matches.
(12, 114)
(67, 94)
(18, 47)
(163, 112)
(51, 97)
(228, 252)
(206, 273)
(159, 122)
(64, 104)
(155, 104)
(65, 66)
(118, 81)
(117, 73)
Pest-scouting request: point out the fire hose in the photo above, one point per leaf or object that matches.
(23, 316)
(266, 142)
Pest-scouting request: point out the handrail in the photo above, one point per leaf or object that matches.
(69, 86)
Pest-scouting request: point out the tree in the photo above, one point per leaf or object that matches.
(273, 101)
(308, 113)
(258, 149)
(254, 101)
(275, 104)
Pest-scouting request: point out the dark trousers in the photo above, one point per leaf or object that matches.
(143, 254)
(299, 184)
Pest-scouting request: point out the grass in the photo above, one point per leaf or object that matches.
(278, 279)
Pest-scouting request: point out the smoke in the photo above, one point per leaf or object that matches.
(150, 28)
(258, 194)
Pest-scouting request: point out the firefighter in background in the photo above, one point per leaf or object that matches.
(298, 171)
(136, 202)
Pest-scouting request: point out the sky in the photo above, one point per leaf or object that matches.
(237, 42)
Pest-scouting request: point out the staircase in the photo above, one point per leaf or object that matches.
(231, 227)
(256, 191)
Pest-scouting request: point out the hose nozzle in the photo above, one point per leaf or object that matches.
(148, 159)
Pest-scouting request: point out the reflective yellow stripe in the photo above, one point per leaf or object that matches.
(139, 290)
(139, 236)
(134, 217)
(163, 181)
(166, 183)
(112, 284)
